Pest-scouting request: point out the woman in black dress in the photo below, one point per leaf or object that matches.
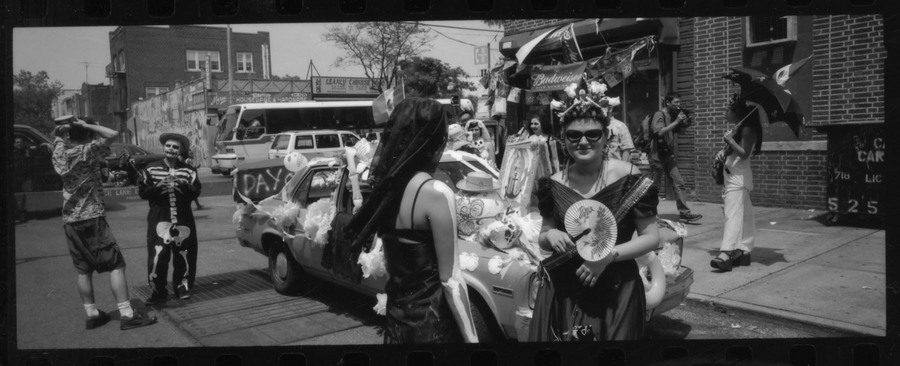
(603, 299)
(414, 214)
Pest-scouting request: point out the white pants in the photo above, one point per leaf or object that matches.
(740, 229)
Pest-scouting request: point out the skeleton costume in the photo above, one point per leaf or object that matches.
(171, 231)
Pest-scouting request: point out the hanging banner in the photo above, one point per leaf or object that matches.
(549, 78)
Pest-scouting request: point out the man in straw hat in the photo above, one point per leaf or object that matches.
(78, 150)
(170, 186)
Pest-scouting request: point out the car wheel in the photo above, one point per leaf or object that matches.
(287, 276)
(486, 328)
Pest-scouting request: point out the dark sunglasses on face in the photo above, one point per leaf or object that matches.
(592, 135)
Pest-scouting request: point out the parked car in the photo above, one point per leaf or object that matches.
(312, 143)
(501, 304)
(125, 160)
(43, 176)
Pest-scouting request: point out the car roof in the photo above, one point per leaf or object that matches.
(313, 132)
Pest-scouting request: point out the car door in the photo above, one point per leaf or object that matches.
(280, 146)
(313, 187)
(328, 145)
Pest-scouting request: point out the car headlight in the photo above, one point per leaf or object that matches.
(533, 290)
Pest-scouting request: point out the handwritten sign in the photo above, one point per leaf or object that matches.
(260, 180)
(856, 169)
(220, 99)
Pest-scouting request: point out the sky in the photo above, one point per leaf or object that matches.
(75, 54)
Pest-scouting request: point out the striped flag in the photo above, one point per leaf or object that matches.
(384, 104)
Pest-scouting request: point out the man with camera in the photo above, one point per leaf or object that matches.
(663, 149)
(79, 149)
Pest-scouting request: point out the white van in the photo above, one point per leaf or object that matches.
(312, 143)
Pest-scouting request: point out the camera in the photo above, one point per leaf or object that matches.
(689, 120)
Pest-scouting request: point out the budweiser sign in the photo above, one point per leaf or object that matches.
(557, 77)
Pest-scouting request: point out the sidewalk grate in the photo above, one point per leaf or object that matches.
(228, 304)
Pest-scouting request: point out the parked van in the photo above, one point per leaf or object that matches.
(312, 144)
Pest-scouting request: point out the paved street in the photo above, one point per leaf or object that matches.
(807, 280)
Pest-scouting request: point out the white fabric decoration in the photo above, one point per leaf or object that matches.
(468, 261)
(643, 263)
(242, 210)
(318, 220)
(495, 265)
(372, 263)
(556, 105)
(615, 101)
(381, 307)
(597, 87)
(669, 257)
(571, 90)
(286, 215)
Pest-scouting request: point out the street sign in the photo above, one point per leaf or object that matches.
(481, 55)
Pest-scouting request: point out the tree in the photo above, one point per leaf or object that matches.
(286, 77)
(429, 77)
(33, 96)
(378, 47)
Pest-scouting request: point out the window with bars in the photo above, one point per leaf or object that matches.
(766, 30)
(244, 62)
(196, 60)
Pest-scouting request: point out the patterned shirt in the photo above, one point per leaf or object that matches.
(619, 139)
(79, 166)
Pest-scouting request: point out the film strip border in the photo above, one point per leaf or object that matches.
(110, 12)
(828, 351)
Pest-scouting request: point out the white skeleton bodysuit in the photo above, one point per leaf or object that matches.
(170, 205)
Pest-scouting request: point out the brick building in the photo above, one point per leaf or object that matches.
(845, 73)
(147, 61)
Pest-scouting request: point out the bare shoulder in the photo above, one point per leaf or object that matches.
(619, 169)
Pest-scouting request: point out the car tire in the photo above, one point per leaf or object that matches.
(486, 327)
(285, 272)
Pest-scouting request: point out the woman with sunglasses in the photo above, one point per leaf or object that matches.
(603, 299)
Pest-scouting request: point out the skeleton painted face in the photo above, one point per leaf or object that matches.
(172, 149)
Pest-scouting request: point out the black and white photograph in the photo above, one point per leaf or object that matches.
(347, 183)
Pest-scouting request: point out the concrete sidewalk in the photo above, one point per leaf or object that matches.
(801, 269)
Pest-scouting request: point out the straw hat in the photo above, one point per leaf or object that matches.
(185, 143)
(478, 182)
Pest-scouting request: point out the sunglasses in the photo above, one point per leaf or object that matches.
(591, 135)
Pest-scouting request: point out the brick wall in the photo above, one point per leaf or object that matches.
(848, 79)
(523, 25)
(848, 86)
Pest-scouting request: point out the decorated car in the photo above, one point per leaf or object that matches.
(291, 224)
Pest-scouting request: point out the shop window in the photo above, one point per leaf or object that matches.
(244, 62)
(196, 60)
(767, 30)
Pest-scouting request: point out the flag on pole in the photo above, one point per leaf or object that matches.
(571, 49)
(384, 104)
(783, 74)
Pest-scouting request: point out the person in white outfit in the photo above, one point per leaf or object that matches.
(743, 141)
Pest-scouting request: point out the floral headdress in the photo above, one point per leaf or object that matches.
(586, 99)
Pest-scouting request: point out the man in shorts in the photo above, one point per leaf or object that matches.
(78, 150)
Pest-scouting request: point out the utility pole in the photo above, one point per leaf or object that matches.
(228, 49)
(85, 70)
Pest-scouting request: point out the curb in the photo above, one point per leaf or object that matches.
(836, 325)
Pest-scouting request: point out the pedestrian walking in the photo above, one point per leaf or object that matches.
(601, 297)
(79, 147)
(663, 147)
(170, 186)
(743, 141)
(620, 144)
(427, 299)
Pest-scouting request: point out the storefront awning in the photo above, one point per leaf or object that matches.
(592, 33)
